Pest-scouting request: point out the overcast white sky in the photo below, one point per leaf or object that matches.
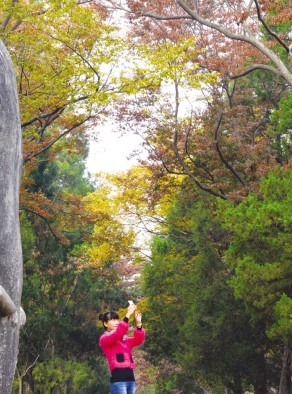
(110, 153)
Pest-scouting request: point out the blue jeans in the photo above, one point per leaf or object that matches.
(123, 388)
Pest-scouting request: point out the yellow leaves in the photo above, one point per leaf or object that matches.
(132, 186)
(98, 201)
(58, 50)
(101, 253)
(148, 67)
(123, 207)
(111, 238)
(170, 59)
(136, 194)
(61, 51)
(174, 61)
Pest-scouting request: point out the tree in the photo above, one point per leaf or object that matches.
(247, 25)
(69, 377)
(10, 245)
(226, 145)
(193, 318)
(64, 53)
(61, 52)
(259, 255)
(59, 287)
(66, 285)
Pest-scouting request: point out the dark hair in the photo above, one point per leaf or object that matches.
(105, 317)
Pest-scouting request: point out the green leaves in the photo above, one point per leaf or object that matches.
(223, 272)
(260, 252)
(59, 374)
(192, 316)
(282, 325)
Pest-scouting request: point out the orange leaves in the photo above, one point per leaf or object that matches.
(36, 203)
(58, 217)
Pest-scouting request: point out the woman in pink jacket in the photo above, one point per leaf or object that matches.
(117, 347)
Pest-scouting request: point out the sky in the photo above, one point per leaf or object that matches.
(111, 152)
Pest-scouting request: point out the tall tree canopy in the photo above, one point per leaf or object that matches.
(225, 144)
(64, 54)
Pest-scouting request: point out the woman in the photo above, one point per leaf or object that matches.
(117, 348)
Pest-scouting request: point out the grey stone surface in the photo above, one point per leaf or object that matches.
(10, 244)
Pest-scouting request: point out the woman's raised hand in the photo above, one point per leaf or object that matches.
(131, 310)
(138, 318)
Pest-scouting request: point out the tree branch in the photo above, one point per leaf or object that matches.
(180, 159)
(49, 226)
(78, 54)
(281, 42)
(163, 17)
(196, 163)
(56, 139)
(284, 72)
(7, 19)
(57, 110)
(19, 22)
(220, 153)
(257, 67)
(229, 94)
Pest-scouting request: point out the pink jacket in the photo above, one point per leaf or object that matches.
(117, 347)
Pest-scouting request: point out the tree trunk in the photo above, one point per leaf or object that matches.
(237, 385)
(20, 381)
(260, 385)
(20, 385)
(10, 245)
(285, 380)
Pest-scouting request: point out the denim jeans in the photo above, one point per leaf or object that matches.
(123, 388)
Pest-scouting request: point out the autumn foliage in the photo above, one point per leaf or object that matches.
(205, 84)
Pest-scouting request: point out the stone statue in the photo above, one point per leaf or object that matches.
(11, 315)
